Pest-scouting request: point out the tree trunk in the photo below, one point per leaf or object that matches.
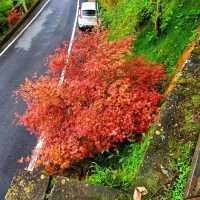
(158, 18)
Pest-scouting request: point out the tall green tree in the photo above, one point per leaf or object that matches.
(157, 15)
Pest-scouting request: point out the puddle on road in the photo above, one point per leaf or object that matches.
(26, 40)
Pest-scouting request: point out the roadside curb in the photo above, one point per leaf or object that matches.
(37, 185)
(28, 185)
(20, 24)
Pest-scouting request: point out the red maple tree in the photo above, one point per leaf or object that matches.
(103, 100)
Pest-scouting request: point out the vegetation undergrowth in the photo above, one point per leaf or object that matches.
(182, 165)
(161, 35)
(179, 21)
(119, 169)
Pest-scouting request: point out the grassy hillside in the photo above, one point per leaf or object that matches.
(179, 20)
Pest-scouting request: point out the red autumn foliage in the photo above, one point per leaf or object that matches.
(57, 61)
(13, 17)
(102, 101)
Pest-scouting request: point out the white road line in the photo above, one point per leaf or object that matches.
(36, 153)
(24, 29)
(70, 43)
(41, 140)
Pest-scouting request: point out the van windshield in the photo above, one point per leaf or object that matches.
(88, 12)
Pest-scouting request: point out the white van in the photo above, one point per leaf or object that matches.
(88, 16)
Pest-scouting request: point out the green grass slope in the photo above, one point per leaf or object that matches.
(179, 20)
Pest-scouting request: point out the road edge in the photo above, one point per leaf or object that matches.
(22, 25)
(40, 143)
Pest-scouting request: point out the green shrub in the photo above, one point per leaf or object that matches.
(106, 17)
(182, 167)
(118, 170)
(127, 15)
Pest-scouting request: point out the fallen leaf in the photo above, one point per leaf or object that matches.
(139, 192)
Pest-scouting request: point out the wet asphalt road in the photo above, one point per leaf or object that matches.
(23, 59)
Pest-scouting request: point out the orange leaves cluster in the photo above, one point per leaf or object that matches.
(57, 61)
(13, 17)
(103, 100)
